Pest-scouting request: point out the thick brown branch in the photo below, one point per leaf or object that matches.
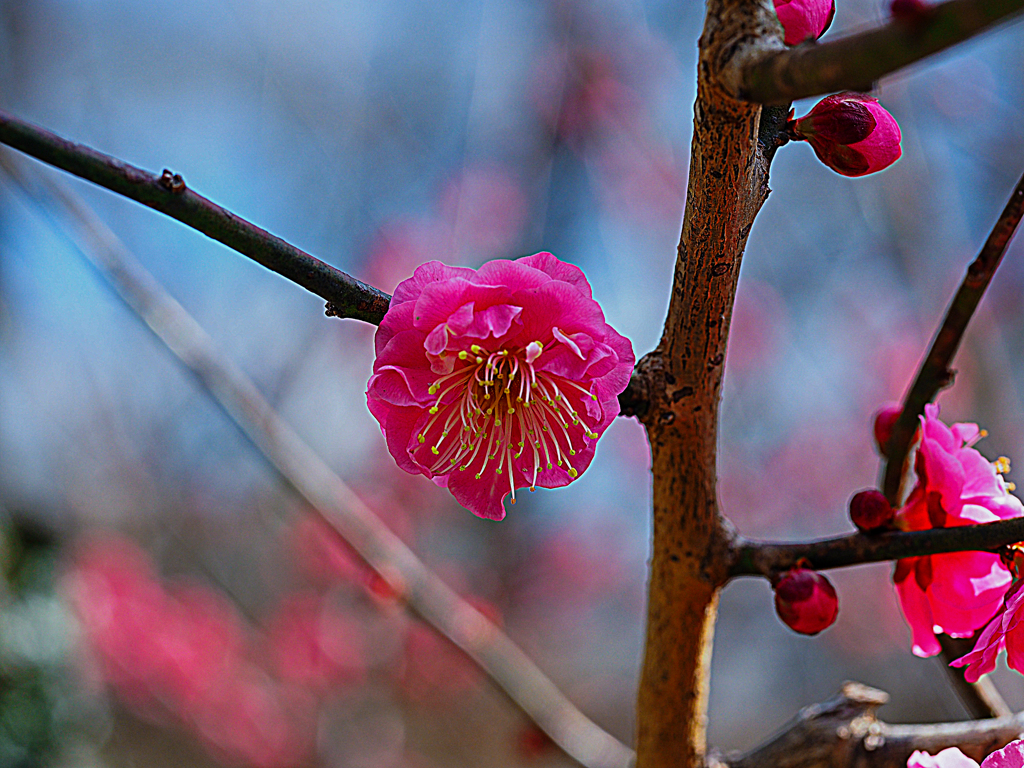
(345, 296)
(764, 558)
(328, 496)
(766, 75)
(728, 183)
(844, 733)
(935, 372)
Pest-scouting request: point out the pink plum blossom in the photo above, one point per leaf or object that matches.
(1010, 756)
(852, 134)
(806, 601)
(947, 758)
(955, 593)
(1004, 631)
(494, 379)
(805, 19)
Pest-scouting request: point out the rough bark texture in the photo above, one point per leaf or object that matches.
(727, 186)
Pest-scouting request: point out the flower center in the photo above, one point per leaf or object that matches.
(496, 408)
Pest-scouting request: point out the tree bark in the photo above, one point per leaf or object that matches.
(727, 186)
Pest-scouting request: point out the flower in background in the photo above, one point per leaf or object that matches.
(805, 19)
(852, 134)
(494, 379)
(806, 601)
(955, 593)
(1010, 756)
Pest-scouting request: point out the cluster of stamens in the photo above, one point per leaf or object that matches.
(498, 406)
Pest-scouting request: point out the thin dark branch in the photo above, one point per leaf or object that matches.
(167, 193)
(345, 296)
(765, 558)
(935, 372)
(327, 494)
(844, 733)
(855, 62)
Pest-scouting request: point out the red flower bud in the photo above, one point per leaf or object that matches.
(885, 420)
(913, 13)
(805, 19)
(806, 601)
(851, 134)
(870, 510)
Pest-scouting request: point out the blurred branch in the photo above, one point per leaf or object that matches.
(853, 63)
(765, 558)
(844, 733)
(935, 372)
(167, 193)
(302, 469)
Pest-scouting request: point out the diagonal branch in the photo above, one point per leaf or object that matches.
(345, 296)
(167, 193)
(765, 558)
(844, 733)
(304, 471)
(766, 75)
(935, 373)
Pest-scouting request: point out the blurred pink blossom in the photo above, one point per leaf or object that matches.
(493, 379)
(314, 644)
(955, 593)
(805, 19)
(852, 134)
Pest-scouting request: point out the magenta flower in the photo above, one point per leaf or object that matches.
(850, 133)
(806, 601)
(1004, 631)
(805, 19)
(494, 379)
(955, 593)
(1010, 756)
(947, 758)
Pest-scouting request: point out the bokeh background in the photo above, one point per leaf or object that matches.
(167, 602)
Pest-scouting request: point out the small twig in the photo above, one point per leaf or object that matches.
(168, 193)
(844, 733)
(303, 470)
(770, 76)
(765, 558)
(935, 372)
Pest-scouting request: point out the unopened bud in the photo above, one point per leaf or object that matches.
(806, 601)
(885, 420)
(870, 510)
(912, 13)
(850, 133)
(804, 19)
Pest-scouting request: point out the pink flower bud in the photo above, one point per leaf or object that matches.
(885, 420)
(851, 134)
(870, 510)
(806, 601)
(805, 19)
